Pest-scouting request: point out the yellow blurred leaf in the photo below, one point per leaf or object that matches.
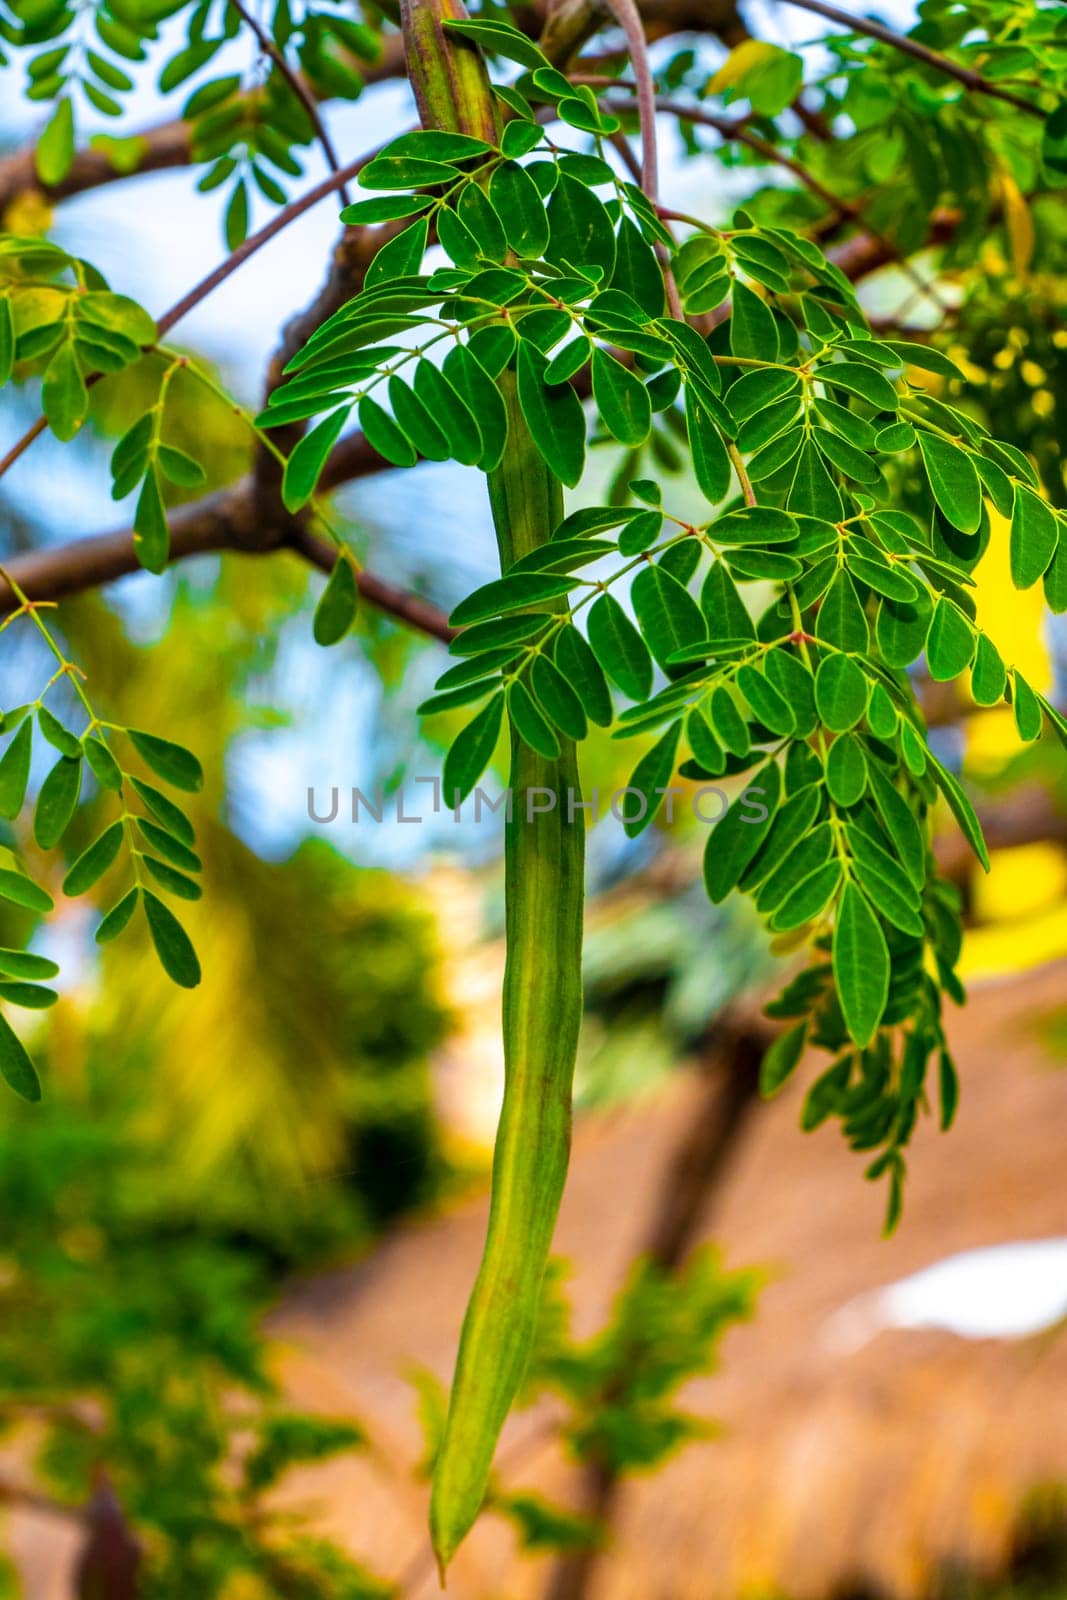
(1021, 882)
(1018, 221)
(751, 53)
(29, 215)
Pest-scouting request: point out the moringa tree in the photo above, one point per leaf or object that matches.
(510, 278)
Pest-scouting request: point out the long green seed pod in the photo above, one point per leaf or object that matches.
(544, 881)
(544, 873)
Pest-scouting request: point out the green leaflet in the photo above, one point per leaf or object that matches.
(669, 617)
(7, 340)
(950, 644)
(15, 770)
(884, 579)
(500, 39)
(901, 628)
(56, 802)
(855, 378)
(497, 633)
(404, 172)
(383, 435)
(170, 761)
(794, 680)
(336, 610)
(557, 699)
(415, 421)
(861, 965)
(841, 621)
(55, 148)
(637, 270)
(579, 666)
(151, 538)
(451, 412)
(792, 824)
(15, 1063)
(813, 852)
(483, 399)
(173, 946)
(962, 810)
(511, 594)
(164, 809)
(471, 751)
(580, 229)
(734, 841)
(781, 1058)
(308, 459)
(808, 900)
(1055, 580)
(94, 861)
(846, 770)
(813, 492)
(530, 724)
(711, 463)
(621, 399)
(870, 855)
(24, 964)
(117, 919)
(517, 202)
(400, 257)
(619, 648)
(840, 692)
(1034, 537)
(955, 483)
(652, 775)
(168, 845)
(22, 891)
(705, 747)
(753, 330)
(725, 613)
(730, 727)
(173, 881)
(767, 703)
(901, 825)
(384, 208)
(1026, 708)
(554, 416)
(988, 674)
(64, 397)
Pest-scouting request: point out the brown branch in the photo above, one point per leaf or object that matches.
(399, 603)
(224, 521)
(165, 146)
(931, 58)
(296, 84)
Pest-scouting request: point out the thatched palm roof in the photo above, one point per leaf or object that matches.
(872, 1466)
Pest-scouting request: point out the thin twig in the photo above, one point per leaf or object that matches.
(256, 241)
(747, 492)
(629, 19)
(297, 85)
(952, 69)
(217, 523)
